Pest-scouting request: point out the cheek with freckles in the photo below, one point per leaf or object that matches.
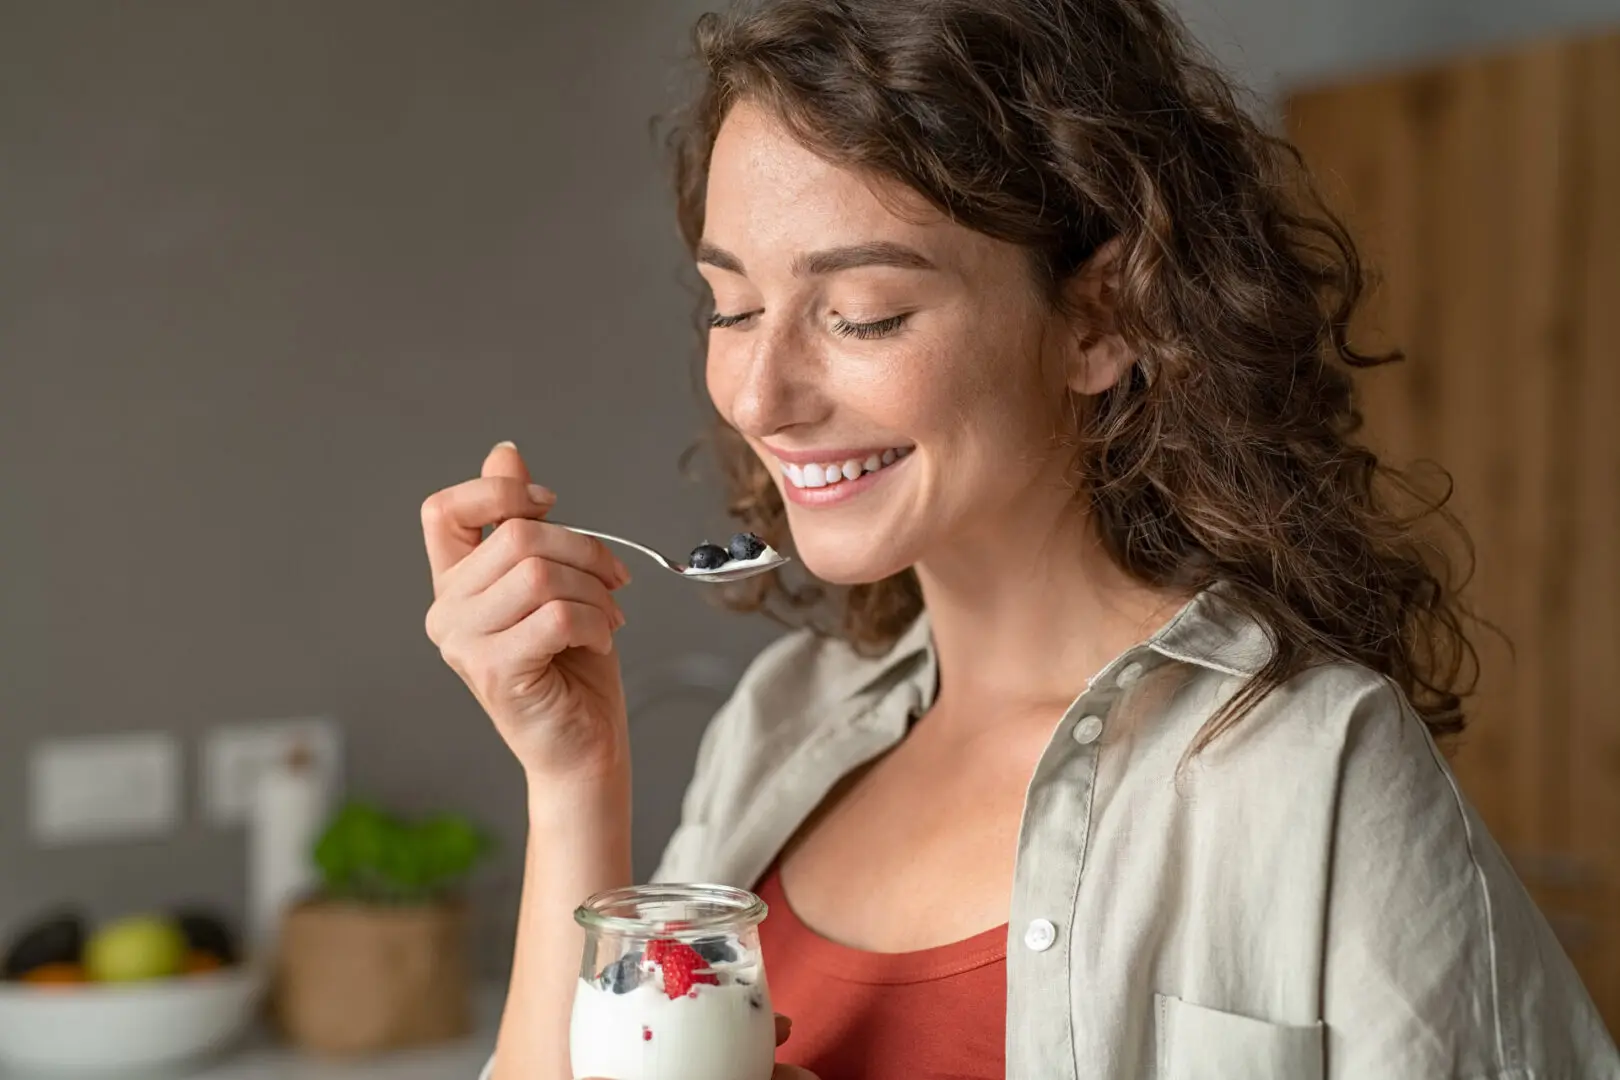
(980, 403)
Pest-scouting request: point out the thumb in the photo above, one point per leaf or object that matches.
(504, 460)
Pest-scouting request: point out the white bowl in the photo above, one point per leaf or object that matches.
(125, 1028)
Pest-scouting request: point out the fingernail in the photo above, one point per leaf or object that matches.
(618, 617)
(541, 494)
(505, 444)
(624, 572)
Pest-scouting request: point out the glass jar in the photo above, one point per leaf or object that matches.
(672, 986)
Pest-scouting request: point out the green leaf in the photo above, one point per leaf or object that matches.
(373, 856)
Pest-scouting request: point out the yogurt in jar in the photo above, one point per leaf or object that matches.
(672, 986)
(725, 1032)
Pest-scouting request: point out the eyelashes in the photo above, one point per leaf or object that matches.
(869, 330)
(865, 331)
(718, 321)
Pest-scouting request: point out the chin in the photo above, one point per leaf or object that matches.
(860, 563)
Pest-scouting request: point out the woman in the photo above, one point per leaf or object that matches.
(1118, 758)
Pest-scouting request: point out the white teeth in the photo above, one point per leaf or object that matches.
(822, 475)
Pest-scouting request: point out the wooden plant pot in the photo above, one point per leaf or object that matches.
(356, 979)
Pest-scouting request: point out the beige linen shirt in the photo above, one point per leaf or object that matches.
(1310, 898)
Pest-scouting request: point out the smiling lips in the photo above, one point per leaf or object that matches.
(815, 475)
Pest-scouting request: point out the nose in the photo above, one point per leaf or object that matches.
(775, 385)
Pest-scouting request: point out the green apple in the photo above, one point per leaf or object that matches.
(137, 947)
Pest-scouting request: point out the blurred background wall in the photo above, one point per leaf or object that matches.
(270, 274)
(1277, 45)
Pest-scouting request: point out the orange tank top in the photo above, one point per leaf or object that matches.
(936, 1014)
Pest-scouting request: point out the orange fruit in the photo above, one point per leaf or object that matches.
(57, 974)
(199, 960)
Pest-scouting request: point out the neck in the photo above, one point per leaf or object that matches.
(1022, 617)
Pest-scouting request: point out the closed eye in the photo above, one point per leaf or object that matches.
(843, 327)
(869, 330)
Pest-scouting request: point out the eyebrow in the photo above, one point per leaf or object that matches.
(831, 260)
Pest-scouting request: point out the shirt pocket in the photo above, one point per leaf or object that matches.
(1199, 1043)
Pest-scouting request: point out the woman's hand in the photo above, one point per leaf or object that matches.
(526, 618)
(784, 1027)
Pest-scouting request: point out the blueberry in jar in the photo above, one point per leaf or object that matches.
(709, 557)
(623, 975)
(715, 950)
(746, 546)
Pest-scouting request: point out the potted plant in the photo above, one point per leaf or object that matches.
(376, 958)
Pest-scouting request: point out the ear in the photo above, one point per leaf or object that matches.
(1097, 356)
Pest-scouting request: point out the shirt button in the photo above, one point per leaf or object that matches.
(1128, 675)
(1087, 730)
(1039, 935)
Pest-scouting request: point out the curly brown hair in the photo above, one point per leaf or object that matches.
(1227, 455)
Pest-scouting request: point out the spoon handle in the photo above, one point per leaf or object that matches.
(647, 551)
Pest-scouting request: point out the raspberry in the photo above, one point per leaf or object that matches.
(682, 966)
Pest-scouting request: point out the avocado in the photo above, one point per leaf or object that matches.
(55, 938)
(206, 931)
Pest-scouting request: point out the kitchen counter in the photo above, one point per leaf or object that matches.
(264, 1059)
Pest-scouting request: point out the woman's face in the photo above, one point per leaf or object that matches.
(911, 352)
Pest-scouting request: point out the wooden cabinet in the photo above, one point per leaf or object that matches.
(1486, 193)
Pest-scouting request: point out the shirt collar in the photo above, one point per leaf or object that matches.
(1212, 631)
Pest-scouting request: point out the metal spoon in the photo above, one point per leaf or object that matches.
(708, 577)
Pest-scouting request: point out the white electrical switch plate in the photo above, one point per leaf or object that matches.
(106, 787)
(234, 755)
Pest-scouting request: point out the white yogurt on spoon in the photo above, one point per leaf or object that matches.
(727, 559)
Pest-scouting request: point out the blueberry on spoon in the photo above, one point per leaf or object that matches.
(746, 546)
(709, 557)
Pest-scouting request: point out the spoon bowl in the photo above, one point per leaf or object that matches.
(719, 576)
